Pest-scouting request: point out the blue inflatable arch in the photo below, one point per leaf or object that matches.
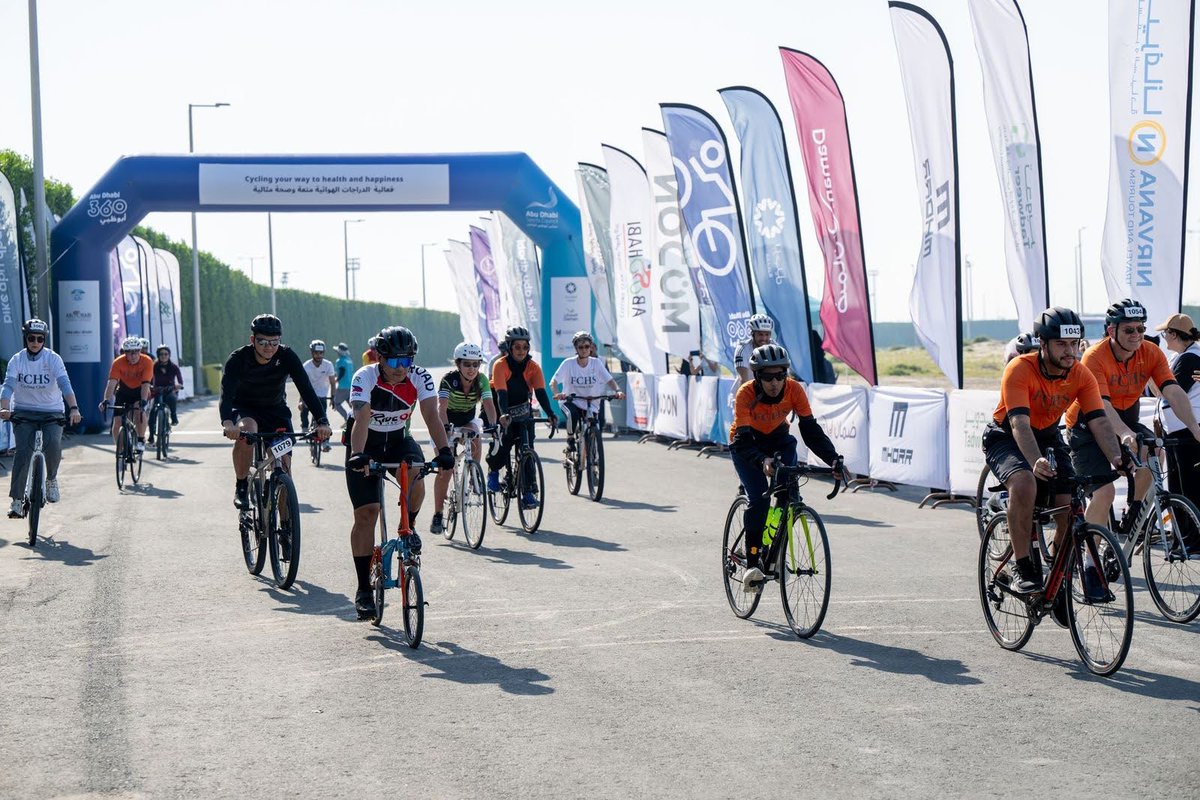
(138, 185)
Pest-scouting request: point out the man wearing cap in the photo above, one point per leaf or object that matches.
(344, 367)
(1182, 339)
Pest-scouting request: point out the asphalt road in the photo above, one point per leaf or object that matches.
(597, 658)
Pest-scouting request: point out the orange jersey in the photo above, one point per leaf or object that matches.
(749, 411)
(519, 389)
(1123, 383)
(132, 376)
(1026, 389)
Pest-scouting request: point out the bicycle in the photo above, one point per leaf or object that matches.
(128, 457)
(1088, 589)
(34, 498)
(802, 567)
(587, 455)
(409, 579)
(467, 497)
(271, 523)
(524, 469)
(160, 422)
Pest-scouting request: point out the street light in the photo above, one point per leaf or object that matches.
(346, 250)
(41, 247)
(423, 246)
(251, 259)
(1079, 270)
(199, 357)
(271, 260)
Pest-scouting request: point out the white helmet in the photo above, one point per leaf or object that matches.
(143, 343)
(761, 322)
(130, 343)
(468, 351)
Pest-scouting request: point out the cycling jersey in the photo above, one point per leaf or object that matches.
(345, 372)
(587, 380)
(392, 404)
(519, 381)
(741, 356)
(166, 375)
(36, 382)
(132, 375)
(1123, 383)
(319, 375)
(760, 424)
(1027, 389)
(248, 385)
(461, 399)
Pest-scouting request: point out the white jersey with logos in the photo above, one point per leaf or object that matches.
(392, 404)
(319, 375)
(741, 356)
(37, 383)
(588, 380)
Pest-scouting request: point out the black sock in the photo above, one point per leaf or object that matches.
(1135, 508)
(412, 519)
(362, 566)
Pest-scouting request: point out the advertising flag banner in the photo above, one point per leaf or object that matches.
(1003, 46)
(595, 206)
(632, 273)
(927, 72)
(176, 301)
(772, 232)
(118, 299)
(675, 311)
(1150, 93)
(824, 138)
(509, 315)
(713, 219)
(10, 274)
(520, 258)
(472, 320)
(166, 303)
(488, 284)
(131, 286)
(152, 320)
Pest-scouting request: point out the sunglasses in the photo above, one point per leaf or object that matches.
(472, 364)
(267, 342)
(35, 338)
(772, 376)
(1133, 329)
(584, 346)
(399, 361)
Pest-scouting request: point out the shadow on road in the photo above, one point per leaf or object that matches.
(150, 490)
(1157, 620)
(574, 540)
(65, 553)
(460, 665)
(634, 505)
(502, 555)
(308, 598)
(1134, 681)
(898, 660)
(838, 519)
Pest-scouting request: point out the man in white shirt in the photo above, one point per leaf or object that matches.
(762, 331)
(323, 377)
(583, 376)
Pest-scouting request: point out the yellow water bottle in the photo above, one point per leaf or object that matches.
(774, 516)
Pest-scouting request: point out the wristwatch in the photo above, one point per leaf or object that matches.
(72, 408)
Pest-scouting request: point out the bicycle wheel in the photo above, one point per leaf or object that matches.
(804, 572)
(472, 498)
(1101, 627)
(250, 525)
(983, 512)
(377, 585)
(594, 453)
(135, 456)
(529, 470)
(414, 606)
(160, 435)
(1007, 615)
(1174, 583)
(498, 503)
(283, 530)
(36, 498)
(314, 452)
(571, 465)
(122, 460)
(733, 561)
(450, 507)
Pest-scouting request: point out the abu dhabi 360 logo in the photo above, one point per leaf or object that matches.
(107, 208)
(768, 218)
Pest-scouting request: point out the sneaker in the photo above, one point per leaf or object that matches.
(140, 447)
(326, 447)
(414, 543)
(494, 481)
(364, 603)
(1094, 590)
(529, 500)
(752, 580)
(52, 493)
(174, 422)
(1025, 579)
(436, 525)
(241, 495)
(16, 509)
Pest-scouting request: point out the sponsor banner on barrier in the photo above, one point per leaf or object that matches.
(702, 407)
(969, 412)
(639, 402)
(79, 321)
(671, 406)
(842, 413)
(908, 436)
(324, 184)
(570, 311)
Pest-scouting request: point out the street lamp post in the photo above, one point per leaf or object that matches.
(346, 250)
(41, 246)
(1079, 270)
(251, 259)
(424, 304)
(271, 259)
(199, 348)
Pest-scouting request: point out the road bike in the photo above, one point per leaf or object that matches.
(524, 473)
(128, 456)
(467, 497)
(1088, 589)
(160, 422)
(34, 498)
(584, 453)
(270, 525)
(409, 574)
(796, 553)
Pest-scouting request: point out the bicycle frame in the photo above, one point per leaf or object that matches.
(1152, 506)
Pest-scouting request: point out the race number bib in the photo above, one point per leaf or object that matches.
(282, 447)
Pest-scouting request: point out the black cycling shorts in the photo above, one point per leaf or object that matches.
(1005, 459)
(269, 419)
(1086, 454)
(126, 397)
(364, 489)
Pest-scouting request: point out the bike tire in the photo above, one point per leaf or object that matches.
(473, 499)
(983, 514)
(1007, 615)
(531, 518)
(135, 459)
(451, 505)
(36, 498)
(1174, 584)
(122, 460)
(315, 452)
(283, 537)
(733, 560)
(1101, 631)
(498, 504)
(160, 425)
(573, 466)
(414, 606)
(254, 550)
(805, 572)
(377, 585)
(594, 463)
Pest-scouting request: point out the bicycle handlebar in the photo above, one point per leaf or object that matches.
(800, 470)
(251, 436)
(380, 469)
(609, 396)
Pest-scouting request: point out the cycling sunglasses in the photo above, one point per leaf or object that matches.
(399, 361)
(35, 337)
(266, 342)
(772, 376)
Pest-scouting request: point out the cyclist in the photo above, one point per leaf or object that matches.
(459, 395)
(36, 384)
(1035, 391)
(1181, 337)
(501, 353)
(760, 430)
(762, 331)
(322, 375)
(345, 374)
(383, 398)
(144, 343)
(369, 355)
(514, 378)
(254, 399)
(582, 375)
(167, 380)
(128, 385)
(1124, 363)
(1020, 345)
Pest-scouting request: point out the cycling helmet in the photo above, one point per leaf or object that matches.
(516, 332)
(266, 325)
(1125, 311)
(467, 351)
(160, 348)
(143, 343)
(317, 345)
(35, 325)
(769, 355)
(395, 342)
(1020, 345)
(342, 347)
(1058, 323)
(761, 322)
(130, 344)
(581, 336)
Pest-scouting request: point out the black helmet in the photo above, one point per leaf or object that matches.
(1027, 343)
(1058, 323)
(769, 355)
(34, 325)
(266, 325)
(516, 332)
(1125, 311)
(395, 342)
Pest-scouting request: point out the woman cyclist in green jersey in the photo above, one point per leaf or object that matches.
(459, 395)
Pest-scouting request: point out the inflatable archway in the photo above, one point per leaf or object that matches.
(138, 185)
